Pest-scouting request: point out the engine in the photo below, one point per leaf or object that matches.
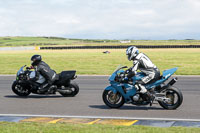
(136, 97)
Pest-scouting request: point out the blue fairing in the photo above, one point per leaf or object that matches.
(139, 76)
(169, 72)
(111, 88)
(166, 74)
(129, 90)
(112, 77)
(116, 87)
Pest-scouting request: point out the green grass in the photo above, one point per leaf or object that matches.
(95, 62)
(56, 41)
(34, 41)
(10, 127)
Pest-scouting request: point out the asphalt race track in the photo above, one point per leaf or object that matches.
(89, 101)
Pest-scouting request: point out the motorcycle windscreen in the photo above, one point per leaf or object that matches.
(20, 71)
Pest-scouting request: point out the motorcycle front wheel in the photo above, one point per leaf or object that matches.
(113, 100)
(20, 90)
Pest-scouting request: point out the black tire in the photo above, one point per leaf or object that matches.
(24, 91)
(75, 89)
(171, 90)
(117, 103)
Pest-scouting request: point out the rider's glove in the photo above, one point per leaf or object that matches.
(131, 74)
(128, 70)
(31, 67)
(125, 79)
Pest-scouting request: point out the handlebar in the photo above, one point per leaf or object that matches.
(124, 67)
(31, 67)
(120, 68)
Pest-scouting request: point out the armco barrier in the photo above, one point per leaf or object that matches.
(121, 47)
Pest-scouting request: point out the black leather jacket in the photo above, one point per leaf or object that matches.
(44, 69)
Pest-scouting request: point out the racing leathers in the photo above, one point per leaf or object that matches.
(49, 74)
(145, 65)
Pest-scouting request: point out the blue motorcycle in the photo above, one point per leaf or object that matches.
(123, 90)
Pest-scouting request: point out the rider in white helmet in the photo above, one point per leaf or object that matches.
(144, 64)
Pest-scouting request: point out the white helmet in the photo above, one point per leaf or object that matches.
(132, 52)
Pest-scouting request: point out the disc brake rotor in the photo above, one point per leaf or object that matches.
(113, 98)
(20, 89)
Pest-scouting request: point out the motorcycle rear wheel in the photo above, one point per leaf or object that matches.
(20, 90)
(174, 94)
(113, 100)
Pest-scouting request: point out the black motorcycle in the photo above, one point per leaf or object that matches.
(63, 84)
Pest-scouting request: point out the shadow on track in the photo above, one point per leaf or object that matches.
(127, 107)
(34, 96)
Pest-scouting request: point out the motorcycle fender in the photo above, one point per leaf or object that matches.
(19, 82)
(112, 89)
(24, 83)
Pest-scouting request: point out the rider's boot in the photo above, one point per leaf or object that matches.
(151, 98)
(142, 89)
(43, 88)
(52, 90)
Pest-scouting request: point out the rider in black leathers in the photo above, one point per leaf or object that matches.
(42, 68)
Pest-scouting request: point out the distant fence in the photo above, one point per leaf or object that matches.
(122, 47)
(98, 47)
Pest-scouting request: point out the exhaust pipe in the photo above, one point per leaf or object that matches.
(65, 90)
(173, 81)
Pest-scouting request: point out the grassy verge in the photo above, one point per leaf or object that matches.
(95, 62)
(34, 41)
(9, 127)
(56, 41)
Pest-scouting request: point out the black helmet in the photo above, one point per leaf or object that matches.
(35, 59)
